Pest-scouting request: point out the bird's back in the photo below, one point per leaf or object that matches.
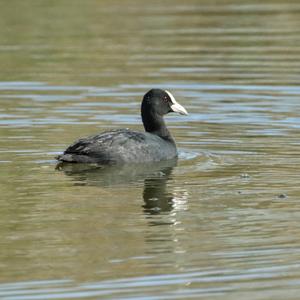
(120, 146)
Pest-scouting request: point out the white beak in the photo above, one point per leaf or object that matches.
(176, 107)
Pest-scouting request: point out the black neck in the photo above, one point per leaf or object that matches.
(155, 124)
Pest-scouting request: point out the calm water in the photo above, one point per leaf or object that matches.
(222, 222)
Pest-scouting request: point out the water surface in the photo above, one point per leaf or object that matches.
(220, 223)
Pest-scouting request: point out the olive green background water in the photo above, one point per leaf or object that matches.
(221, 223)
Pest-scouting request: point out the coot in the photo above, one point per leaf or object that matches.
(128, 146)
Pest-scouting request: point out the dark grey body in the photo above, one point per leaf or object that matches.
(120, 146)
(126, 146)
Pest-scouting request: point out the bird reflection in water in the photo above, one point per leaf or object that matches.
(155, 194)
(155, 176)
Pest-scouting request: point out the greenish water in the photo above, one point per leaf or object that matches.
(222, 222)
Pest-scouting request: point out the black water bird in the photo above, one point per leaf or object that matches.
(128, 146)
